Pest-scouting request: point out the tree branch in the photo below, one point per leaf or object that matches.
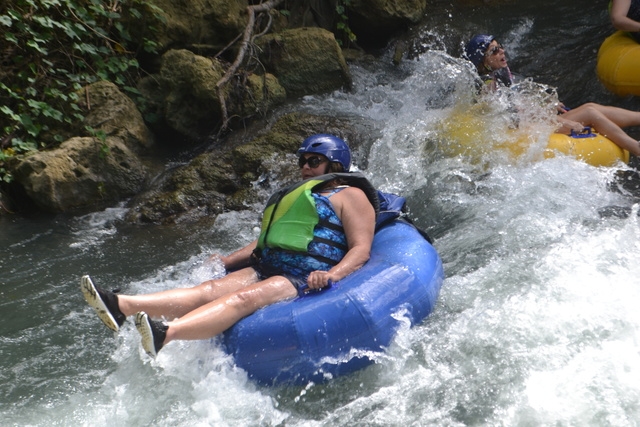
(246, 40)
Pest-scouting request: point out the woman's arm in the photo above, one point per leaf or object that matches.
(489, 85)
(238, 259)
(619, 19)
(358, 220)
(566, 126)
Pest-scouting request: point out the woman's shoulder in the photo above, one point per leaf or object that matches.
(351, 196)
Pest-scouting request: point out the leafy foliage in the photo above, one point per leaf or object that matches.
(49, 49)
(342, 25)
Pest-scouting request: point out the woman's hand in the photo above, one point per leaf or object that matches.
(576, 127)
(238, 259)
(561, 108)
(320, 279)
(567, 126)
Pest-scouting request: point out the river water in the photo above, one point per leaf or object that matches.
(537, 322)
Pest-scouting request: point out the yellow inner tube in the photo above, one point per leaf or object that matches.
(595, 150)
(479, 137)
(618, 66)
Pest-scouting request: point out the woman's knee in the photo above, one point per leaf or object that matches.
(216, 288)
(592, 110)
(591, 106)
(246, 301)
(206, 290)
(587, 114)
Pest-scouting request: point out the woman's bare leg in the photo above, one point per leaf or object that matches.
(176, 303)
(217, 316)
(594, 115)
(620, 116)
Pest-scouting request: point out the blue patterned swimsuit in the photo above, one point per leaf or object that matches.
(327, 248)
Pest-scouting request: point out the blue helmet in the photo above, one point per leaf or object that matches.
(330, 146)
(477, 47)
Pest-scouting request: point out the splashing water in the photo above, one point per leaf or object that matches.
(536, 323)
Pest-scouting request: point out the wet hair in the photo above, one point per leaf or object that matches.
(335, 167)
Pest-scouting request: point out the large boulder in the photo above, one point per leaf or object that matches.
(191, 23)
(388, 13)
(82, 172)
(111, 113)
(375, 21)
(305, 60)
(185, 95)
(101, 167)
(189, 193)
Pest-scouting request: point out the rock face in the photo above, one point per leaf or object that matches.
(185, 95)
(91, 170)
(374, 21)
(111, 158)
(81, 173)
(188, 23)
(113, 113)
(305, 61)
(389, 14)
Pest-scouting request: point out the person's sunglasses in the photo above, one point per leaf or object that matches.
(314, 161)
(494, 50)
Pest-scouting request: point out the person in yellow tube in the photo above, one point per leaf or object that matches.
(490, 60)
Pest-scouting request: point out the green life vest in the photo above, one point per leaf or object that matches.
(290, 217)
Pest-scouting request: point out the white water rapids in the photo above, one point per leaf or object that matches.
(536, 325)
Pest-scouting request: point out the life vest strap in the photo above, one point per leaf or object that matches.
(330, 243)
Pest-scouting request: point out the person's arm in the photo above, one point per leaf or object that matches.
(489, 84)
(619, 19)
(238, 259)
(561, 108)
(358, 220)
(566, 126)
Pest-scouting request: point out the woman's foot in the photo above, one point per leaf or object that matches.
(105, 303)
(152, 333)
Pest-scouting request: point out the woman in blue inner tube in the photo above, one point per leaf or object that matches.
(329, 231)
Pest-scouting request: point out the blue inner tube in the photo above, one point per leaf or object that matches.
(327, 334)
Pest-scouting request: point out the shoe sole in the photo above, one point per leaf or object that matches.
(146, 334)
(90, 294)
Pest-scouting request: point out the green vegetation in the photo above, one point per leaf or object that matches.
(343, 22)
(49, 49)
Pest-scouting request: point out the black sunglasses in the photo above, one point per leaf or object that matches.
(314, 161)
(494, 50)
